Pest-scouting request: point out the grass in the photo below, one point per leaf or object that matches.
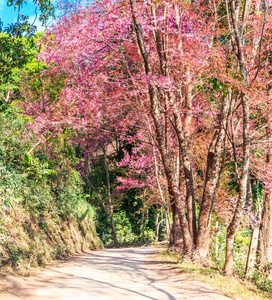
(232, 287)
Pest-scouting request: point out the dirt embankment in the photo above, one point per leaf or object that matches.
(27, 242)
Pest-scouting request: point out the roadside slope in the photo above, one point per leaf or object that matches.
(27, 242)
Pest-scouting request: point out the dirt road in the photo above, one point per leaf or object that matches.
(113, 274)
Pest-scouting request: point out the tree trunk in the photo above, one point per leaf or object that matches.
(265, 237)
(232, 228)
(175, 234)
(110, 210)
(216, 240)
(155, 112)
(143, 226)
(252, 252)
(188, 128)
(249, 198)
(171, 178)
(188, 118)
(164, 202)
(157, 227)
(211, 184)
(228, 268)
(243, 180)
(161, 45)
(167, 224)
(187, 168)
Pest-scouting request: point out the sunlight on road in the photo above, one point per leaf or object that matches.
(129, 274)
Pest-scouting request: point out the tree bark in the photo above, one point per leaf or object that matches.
(164, 202)
(155, 112)
(216, 240)
(232, 228)
(157, 227)
(211, 184)
(175, 234)
(143, 226)
(161, 46)
(243, 180)
(110, 210)
(188, 118)
(167, 224)
(249, 198)
(265, 236)
(252, 252)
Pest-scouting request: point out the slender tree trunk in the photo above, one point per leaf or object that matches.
(110, 210)
(216, 240)
(167, 223)
(243, 180)
(143, 225)
(252, 252)
(157, 227)
(188, 127)
(211, 184)
(164, 202)
(158, 223)
(249, 198)
(187, 122)
(265, 236)
(42, 87)
(176, 233)
(232, 228)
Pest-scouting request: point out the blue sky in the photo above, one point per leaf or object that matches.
(9, 15)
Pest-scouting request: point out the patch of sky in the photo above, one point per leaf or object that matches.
(9, 15)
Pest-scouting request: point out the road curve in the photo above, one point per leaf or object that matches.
(112, 274)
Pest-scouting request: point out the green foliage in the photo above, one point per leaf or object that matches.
(127, 205)
(52, 85)
(124, 231)
(241, 246)
(44, 191)
(262, 281)
(15, 52)
(29, 177)
(242, 241)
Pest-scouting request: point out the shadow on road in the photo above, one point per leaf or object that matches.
(112, 274)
